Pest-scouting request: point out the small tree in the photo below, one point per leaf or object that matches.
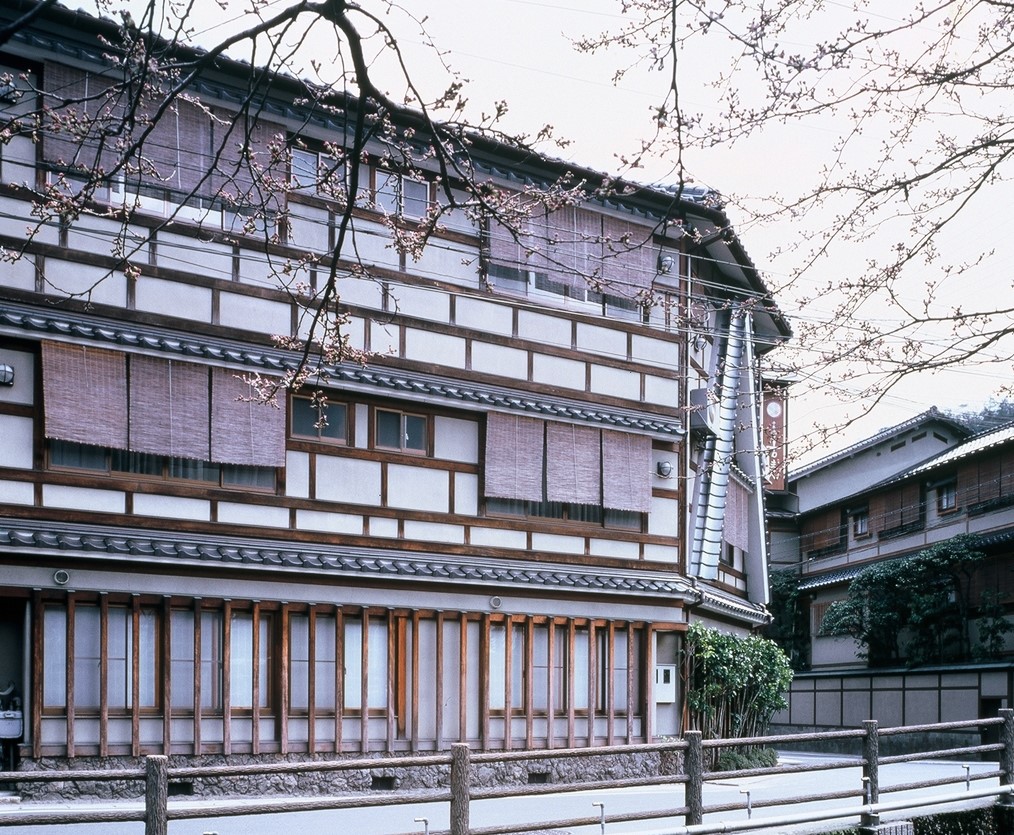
(734, 684)
(789, 627)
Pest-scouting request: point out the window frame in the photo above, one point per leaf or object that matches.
(427, 428)
(859, 523)
(947, 496)
(323, 406)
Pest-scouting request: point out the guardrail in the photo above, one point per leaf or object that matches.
(157, 811)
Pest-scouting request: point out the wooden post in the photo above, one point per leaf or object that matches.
(460, 791)
(871, 773)
(156, 794)
(695, 778)
(1004, 809)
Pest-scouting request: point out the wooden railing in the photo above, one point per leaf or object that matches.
(461, 792)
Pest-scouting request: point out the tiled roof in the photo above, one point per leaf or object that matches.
(67, 325)
(974, 445)
(120, 543)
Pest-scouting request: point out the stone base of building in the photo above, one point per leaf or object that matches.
(551, 770)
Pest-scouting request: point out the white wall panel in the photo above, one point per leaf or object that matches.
(438, 348)
(603, 341)
(19, 274)
(558, 371)
(484, 316)
(205, 258)
(554, 543)
(17, 492)
(420, 302)
(83, 498)
(616, 382)
(541, 328)
(253, 514)
(466, 494)
(94, 284)
(497, 538)
(434, 532)
(23, 390)
(456, 439)
(316, 520)
(251, 313)
(418, 488)
(654, 351)
(172, 507)
(173, 298)
(499, 359)
(348, 480)
(297, 474)
(447, 261)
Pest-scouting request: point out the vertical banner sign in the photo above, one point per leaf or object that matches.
(773, 435)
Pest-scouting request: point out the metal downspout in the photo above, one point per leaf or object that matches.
(708, 529)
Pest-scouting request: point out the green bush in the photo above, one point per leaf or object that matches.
(965, 822)
(742, 758)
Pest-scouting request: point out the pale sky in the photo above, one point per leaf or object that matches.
(520, 51)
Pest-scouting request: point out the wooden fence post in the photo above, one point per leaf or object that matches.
(871, 773)
(461, 776)
(156, 794)
(695, 778)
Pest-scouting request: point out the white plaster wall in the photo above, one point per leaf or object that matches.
(360, 292)
(251, 313)
(554, 330)
(434, 532)
(17, 492)
(173, 298)
(207, 258)
(654, 351)
(297, 474)
(448, 261)
(384, 527)
(96, 284)
(602, 340)
(661, 390)
(420, 302)
(555, 543)
(558, 371)
(466, 494)
(418, 488)
(19, 274)
(253, 514)
(499, 359)
(498, 538)
(372, 245)
(316, 520)
(172, 507)
(83, 498)
(438, 348)
(663, 519)
(308, 227)
(23, 390)
(661, 553)
(621, 548)
(484, 316)
(98, 234)
(348, 480)
(456, 439)
(616, 382)
(385, 338)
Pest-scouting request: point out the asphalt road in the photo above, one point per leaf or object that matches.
(407, 818)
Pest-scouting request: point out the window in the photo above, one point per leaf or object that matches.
(315, 417)
(318, 174)
(401, 431)
(947, 497)
(75, 456)
(498, 672)
(629, 520)
(531, 283)
(401, 195)
(860, 523)
(377, 669)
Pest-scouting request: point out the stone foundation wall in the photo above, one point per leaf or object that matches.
(558, 770)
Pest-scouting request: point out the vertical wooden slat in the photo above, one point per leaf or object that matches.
(392, 690)
(197, 676)
(166, 695)
(593, 666)
(255, 683)
(529, 682)
(416, 620)
(135, 676)
(103, 675)
(463, 679)
(438, 724)
(401, 661)
(227, 678)
(551, 669)
(38, 665)
(339, 677)
(70, 674)
(508, 682)
(570, 682)
(364, 684)
(610, 681)
(311, 680)
(631, 707)
(647, 676)
(282, 664)
(483, 671)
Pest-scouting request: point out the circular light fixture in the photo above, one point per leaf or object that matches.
(664, 469)
(61, 577)
(495, 602)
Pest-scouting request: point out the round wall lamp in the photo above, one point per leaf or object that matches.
(61, 577)
(495, 602)
(664, 469)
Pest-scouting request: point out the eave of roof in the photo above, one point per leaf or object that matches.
(18, 319)
(129, 545)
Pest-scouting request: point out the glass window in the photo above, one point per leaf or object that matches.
(140, 463)
(387, 193)
(415, 197)
(947, 497)
(304, 170)
(79, 456)
(861, 523)
(396, 430)
(299, 662)
(241, 658)
(181, 662)
(324, 689)
(324, 421)
(87, 657)
(259, 478)
(194, 470)
(54, 659)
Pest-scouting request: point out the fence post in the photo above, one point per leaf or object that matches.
(156, 794)
(695, 778)
(1004, 809)
(871, 773)
(460, 790)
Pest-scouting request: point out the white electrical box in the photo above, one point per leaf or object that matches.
(665, 683)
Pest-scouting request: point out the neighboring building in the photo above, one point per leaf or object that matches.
(909, 487)
(499, 535)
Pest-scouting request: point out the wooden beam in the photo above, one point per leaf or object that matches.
(551, 670)
(529, 682)
(227, 678)
(462, 678)
(165, 680)
(570, 683)
(135, 675)
(438, 733)
(508, 682)
(610, 682)
(364, 683)
(197, 676)
(339, 677)
(483, 672)
(593, 679)
(311, 679)
(104, 675)
(416, 620)
(37, 666)
(255, 682)
(70, 674)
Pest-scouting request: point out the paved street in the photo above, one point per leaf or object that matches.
(402, 819)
